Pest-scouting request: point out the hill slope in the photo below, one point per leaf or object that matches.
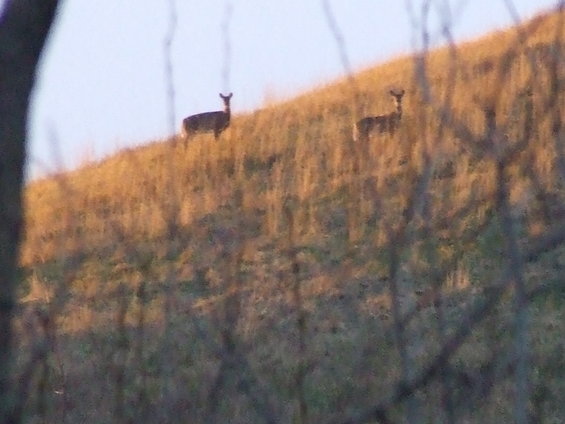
(288, 273)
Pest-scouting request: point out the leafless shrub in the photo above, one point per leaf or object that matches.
(291, 274)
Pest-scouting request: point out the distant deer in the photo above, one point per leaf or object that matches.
(380, 124)
(215, 122)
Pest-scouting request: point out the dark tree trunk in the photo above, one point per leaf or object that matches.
(24, 27)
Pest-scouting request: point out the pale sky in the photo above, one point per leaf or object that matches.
(102, 84)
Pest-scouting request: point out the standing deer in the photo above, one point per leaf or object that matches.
(215, 122)
(380, 124)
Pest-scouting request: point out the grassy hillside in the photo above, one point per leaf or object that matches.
(287, 273)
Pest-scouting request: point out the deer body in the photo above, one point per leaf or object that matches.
(215, 122)
(381, 124)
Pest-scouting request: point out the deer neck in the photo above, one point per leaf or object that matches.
(398, 112)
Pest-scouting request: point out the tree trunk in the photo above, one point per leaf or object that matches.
(24, 27)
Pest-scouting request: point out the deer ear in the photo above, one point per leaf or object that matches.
(229, 95)
(391, 92)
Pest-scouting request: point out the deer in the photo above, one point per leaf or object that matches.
(381, 124)
(215, 122)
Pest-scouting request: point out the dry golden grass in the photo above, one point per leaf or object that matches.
(300, 148)
(163, 255)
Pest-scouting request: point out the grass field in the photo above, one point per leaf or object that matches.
(287, 274)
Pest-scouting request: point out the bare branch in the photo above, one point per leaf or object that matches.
(226, 67)
(169, 76)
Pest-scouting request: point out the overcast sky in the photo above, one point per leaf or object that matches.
(102, 84)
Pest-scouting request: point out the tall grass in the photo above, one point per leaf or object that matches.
(288, 274)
